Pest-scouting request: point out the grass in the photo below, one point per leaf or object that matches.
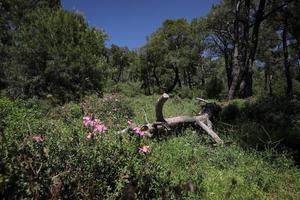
(226, 172)
(230, 172)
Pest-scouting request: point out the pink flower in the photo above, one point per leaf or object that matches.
(138, 131)
(87, 121)
(144, 149)
(95, 124)
(129, 122)
(37, 138)
(99, 128)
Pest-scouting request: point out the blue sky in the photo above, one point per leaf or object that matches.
(129, 22)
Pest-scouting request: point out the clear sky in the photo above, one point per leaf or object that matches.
(129, 22)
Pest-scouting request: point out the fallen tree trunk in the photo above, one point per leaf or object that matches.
(164, 125)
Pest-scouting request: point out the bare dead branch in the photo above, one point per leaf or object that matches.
(159, 107)
(202, 100)
(162, 125)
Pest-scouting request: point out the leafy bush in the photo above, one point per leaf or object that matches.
(214, 87)
(130, 89)
(52, 158)
(230, 113)
(184, 92)
(56, 55)
(266, 122)
(114, 110)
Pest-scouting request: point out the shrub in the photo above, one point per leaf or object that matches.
(230, 113)
(184, 92)
(130, 89)
(271, 120)
(6, 107)
(63, 61)
(52, 158)
(214, 87)
(114, 110)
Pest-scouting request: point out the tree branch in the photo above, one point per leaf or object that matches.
(159, 107)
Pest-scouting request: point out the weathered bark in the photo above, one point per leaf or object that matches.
(165, 125)
(248, 46)
(246, 87)
(235, 74)
(215, 137)
(236, 70)
(159, 107)
(228, 67)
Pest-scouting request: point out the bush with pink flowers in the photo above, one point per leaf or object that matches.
(78, 158)
(114, 110)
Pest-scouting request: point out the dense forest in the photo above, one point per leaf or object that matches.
(78, 119)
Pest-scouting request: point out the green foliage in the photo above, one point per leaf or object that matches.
(65, 164)
(184, 92)
(56, 54)
(278, 116)
(120, 61)
(173, 54)
(6, 107)
(69, 166)
(214, 87)
(266, 122)
(223, 173)
(129, 89)
(230, 113)
(114, 110)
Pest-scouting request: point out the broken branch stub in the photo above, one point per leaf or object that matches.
(159, 107)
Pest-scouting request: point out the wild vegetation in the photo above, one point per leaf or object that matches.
(67, 100)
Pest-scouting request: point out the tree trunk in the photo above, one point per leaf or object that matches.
(156, 78)
(189, 78)
(146, 82)
(175, 81)
(268, 79)
(120, 72)
(184, 77)
(289, 83)
(235, 75)
(236, 55)
(228, 67)
(247, 51)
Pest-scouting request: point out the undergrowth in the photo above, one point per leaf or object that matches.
(45, 153)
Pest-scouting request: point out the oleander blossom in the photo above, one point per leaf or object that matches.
(144, 149)
(138, 131)
(99, 128)
(95, 125)
(87, 121)
(37, 138)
